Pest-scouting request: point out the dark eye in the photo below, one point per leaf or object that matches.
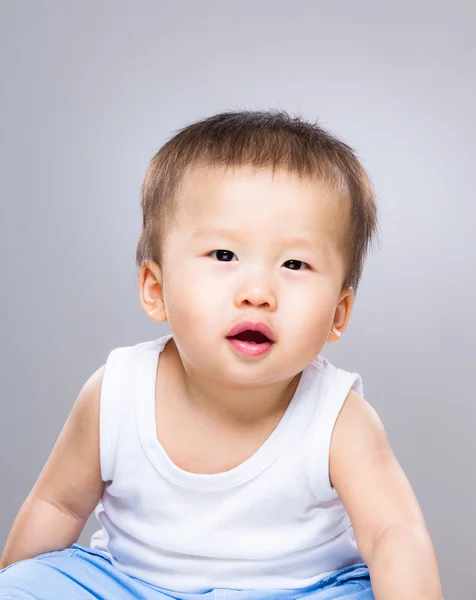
(223, 255)
(295, 264)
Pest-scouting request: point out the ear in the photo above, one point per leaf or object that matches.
(342, 314)
(151, 291)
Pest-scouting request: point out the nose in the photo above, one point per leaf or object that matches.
(258, 292)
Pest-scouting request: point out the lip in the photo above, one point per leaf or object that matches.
(253, 326)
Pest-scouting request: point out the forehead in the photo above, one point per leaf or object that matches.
(259, 202)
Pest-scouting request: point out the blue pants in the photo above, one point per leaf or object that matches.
(79, 573)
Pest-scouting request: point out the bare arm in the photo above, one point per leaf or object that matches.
(68, 488)
(389, 527)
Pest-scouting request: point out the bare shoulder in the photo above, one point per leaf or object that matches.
(86, 406)
(71, 477)
(358, 429)
(366, 474)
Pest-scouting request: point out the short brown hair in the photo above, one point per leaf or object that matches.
(263, 139)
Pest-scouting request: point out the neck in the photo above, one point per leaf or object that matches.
(234, 406)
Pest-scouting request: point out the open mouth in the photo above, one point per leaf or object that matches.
(252, 337)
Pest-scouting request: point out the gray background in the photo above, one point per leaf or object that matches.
(91, 89)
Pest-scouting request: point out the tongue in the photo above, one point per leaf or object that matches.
(251, 336)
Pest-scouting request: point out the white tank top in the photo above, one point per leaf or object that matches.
(272, 522)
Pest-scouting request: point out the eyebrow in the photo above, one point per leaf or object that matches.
(223, 232)
(234, 234)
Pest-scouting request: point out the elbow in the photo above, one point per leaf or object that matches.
(399, 538)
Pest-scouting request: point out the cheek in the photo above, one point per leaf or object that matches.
(191, 301)
(308, 306)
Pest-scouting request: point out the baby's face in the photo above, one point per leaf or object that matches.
(250, 245)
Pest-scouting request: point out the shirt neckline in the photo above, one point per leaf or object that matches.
(261, 459)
